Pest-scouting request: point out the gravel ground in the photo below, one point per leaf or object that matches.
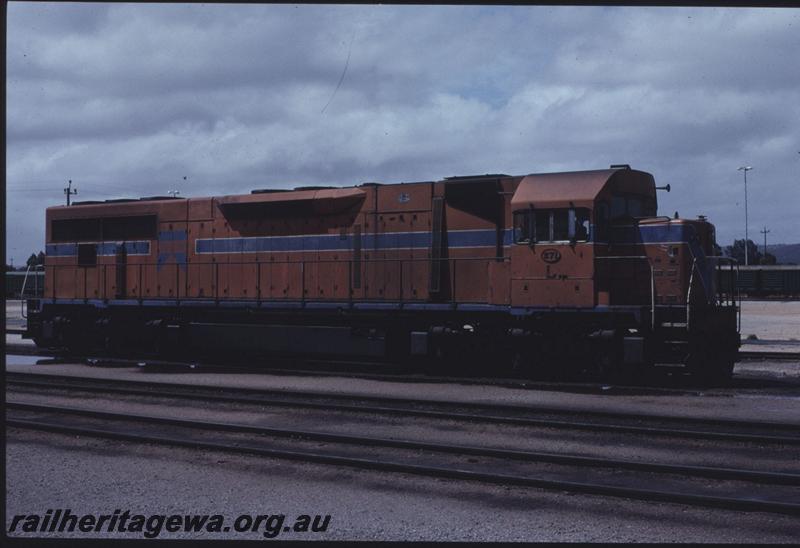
(13, 338)
(786, 369)
(771, 320)
(51, 471)
(13, 314)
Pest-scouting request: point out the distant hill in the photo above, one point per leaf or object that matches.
(785, 253)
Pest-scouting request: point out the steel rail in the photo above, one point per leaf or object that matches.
(105, 382)
(518, 383)
(779, 478)
(268, 397)
(767, 355)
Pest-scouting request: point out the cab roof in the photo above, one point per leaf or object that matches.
(579, 188)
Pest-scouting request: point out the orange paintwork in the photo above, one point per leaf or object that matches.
(494, 271)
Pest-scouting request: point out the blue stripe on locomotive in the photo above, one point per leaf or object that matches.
(335, 242)
(171, 235)
(103, 249)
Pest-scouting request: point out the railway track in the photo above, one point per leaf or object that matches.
(734, 488)
(666, 381)
(758, 432)
(766, 355)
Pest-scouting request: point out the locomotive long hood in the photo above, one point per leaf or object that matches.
(577, 188)
(324, 201)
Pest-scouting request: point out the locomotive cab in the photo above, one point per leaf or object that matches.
(593, 241)
(570, 227)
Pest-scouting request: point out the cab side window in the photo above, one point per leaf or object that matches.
(618, 207)
(561, 226)
(551, 225)
(631, 205)
(523, 226)
(635, 207)
(601, 222)
(542, 232)
(579, 224)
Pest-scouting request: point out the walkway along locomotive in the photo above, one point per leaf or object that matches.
(559, 270)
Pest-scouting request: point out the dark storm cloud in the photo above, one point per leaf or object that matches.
(127, 99)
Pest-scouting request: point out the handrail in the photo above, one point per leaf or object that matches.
(702, 278)
(737, 300)
(689, 292)
(25, 283)
(652, 282)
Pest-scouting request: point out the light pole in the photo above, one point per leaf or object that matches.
(745, 169)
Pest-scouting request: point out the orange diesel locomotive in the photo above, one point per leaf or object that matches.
(538, 272)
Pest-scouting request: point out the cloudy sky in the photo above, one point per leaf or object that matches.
(130, 100)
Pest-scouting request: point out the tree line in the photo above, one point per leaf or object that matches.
(754, 256)
(34, 260)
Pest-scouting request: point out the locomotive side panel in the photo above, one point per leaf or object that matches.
(200, 271)
(288, 265)
(61, 276)
(392, 231)
(315, 226)
(554, 274)
(336, 258)
(91, 248)
(620, 280)
(397, 238)
(235, 258)
(401, 241)
(223, 247)
(362, 251)
(500, 270)
(163, 275)
(473, 236)
(416, 273)
(471, 245)
(171, 260)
